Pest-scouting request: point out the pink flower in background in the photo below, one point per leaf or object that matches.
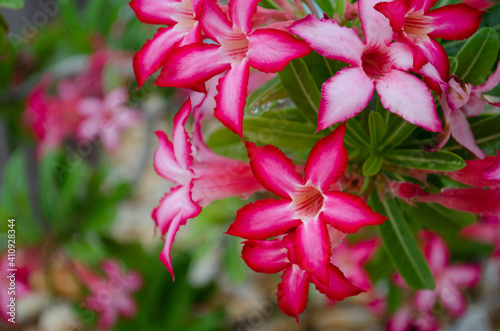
(52, 118)
(406, 319)
(239, 47)
(376, 64)
(450, 279)
(200, 175)
(106, 118)
(110, 296)
(487, 230)
(350, 259)
(417, 25)
(274, 256)
(307, 204)
(181, 16)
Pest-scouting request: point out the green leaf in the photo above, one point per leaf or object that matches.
(372, 165)
(49, 191)
(394, 298)
(453, 64)
(401, 246)
(397, 132)
(441, 219)
(355, 135)
(12, 4)
(418, 159)
(477, 57)
(326, 6)
(4, 27)
(377, 129)
(270, 91)
(302, 89)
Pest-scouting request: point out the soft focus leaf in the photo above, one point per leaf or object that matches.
(302, 89)
(12, 4)
(477, 56)
(418, 159)
(373, 165)
(327, 6)
(355, 135)
(397, 132)
(401, 246)
(377, 129)
(440, 219)
(264, 95)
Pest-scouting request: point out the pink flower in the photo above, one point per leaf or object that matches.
(376, 64)
(110, 296)
(405, 318)
(307, 204)
(350, 259)
(182, 18)
(52, 118)
(200, 175)
(487, 231)
(462, 100)
(272, 256)
(239, 47)
(418, 26)
(479, 4)
(469, 199)
(450, 279)
(106, 118)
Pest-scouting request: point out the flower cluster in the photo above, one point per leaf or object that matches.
(394, 52)
(81, 109)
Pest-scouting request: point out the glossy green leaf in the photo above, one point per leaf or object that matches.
(477, 56)
(340, 7)
(398, 131)
(12, 4)
(453, 65)
(373, 164)
(377, 129)
(419, 159)
(355, 135)
(401, 246)
(302, 89)
(264, 95)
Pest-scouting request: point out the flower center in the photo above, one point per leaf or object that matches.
(376, 62)
(417, 25)
(235, 45)
(308, 202)
(184, 14)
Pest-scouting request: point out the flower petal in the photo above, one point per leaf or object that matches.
(473, 200)
(436, 252)
(462, 132)
(263, 219)
(241, 13)
(400, 320)
(214, 21)
(338, 287)
(463, 275)
(343, 96)
(492, 81)
(453, 300)
(375, 25)
(348, 212)
(293, 290)
(192, 65)
(327, 160)
(155, 12)
(273, 169)
(312, 248)
(270, 50)
(407, 96)
(454, 22)
(493, 172)
(180, 139)
(436, 55)
(268, 256)
(165, 162)
(231, 98)
(175, 208)
(327, 38)
(395, 11)
(425, 300)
